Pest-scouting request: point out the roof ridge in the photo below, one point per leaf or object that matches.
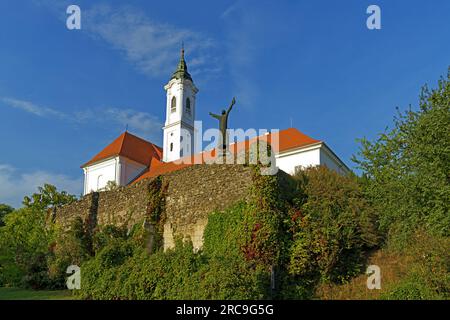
(130, 146)
(122, 142)
(288, 139)
(142, 139)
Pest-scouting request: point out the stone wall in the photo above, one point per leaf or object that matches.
(195, 192)
(192, 193)
(124, 206)
(85, 208)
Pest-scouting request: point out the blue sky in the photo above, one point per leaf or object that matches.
(65, 94)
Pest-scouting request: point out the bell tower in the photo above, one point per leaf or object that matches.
(180, 114)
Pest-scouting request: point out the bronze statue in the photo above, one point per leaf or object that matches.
(223, 124)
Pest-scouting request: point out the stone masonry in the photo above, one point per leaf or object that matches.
(192, 193)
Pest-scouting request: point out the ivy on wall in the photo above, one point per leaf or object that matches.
(155, 215)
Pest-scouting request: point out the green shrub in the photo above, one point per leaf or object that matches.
(332, 224)
(71, 247)
(103, 236)
(241, 244)
(123, 271)
(428, 276)
(230, 272)
(411, 288)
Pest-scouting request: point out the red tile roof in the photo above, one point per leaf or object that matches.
(131, 147)
(288, 139)
(291, 139)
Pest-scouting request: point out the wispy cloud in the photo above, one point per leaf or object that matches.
(151, 46)
(142, 123)
(30, 107)
(15, 184)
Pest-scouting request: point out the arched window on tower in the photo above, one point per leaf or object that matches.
(188, 106)
(171, 146)
(173, 105)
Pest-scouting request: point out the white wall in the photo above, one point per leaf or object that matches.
(171, 136)
(328, 159)
(315, 155)
(97, 175)
(288, 161)
(129, 170)
(118, 169)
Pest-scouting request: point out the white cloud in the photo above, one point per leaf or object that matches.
(14, 185)
(32, 108)
(142, 123)
(152, 46)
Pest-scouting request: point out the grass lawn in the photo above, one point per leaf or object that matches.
(22, 294)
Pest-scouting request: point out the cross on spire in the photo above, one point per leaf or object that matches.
(182, 71)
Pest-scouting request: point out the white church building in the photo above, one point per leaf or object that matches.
(130, 158)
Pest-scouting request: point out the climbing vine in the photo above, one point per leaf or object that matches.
(155, 217)
(263, 220)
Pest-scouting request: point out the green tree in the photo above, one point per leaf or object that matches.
(47, 197)
(4, 210)
(24, 242)
(407, 168)
(26, 238)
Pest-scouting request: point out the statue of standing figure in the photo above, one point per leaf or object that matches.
(223, 125)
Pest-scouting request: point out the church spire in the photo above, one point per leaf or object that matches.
(181, 72)
(180, 113)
